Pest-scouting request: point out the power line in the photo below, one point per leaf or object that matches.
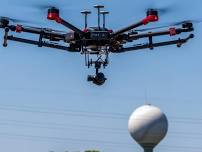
(140, 98)
(95, 114)
(60, 113)
(87, 128)
(66, 110)
(95, 141)
(62, 124)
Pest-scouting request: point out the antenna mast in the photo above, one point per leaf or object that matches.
(86, 13)
(98, 8)
(104, 13)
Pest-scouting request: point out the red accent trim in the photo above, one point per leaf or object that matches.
(18, 28)
(52, 16)
(150, 18)
(172, 31)
(110, 31)
(85, 30)
(58, 20)
(55, 17)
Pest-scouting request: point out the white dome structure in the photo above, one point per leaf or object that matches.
(148, 125)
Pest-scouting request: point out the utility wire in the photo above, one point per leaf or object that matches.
(92, 114)
(93, 141)
(79, 111)
(89, 129)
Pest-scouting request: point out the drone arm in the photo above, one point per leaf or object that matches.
(121, 31)
(45, 33)
(70, 26)
(170, 32)
(54, 15)
(177, 42)
(38, 43)
(148, 19)
(34, 30)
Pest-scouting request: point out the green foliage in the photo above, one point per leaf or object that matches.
(92, 151)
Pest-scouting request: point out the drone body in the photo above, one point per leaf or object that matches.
(98, 41)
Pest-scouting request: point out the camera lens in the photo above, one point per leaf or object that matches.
(99, 79)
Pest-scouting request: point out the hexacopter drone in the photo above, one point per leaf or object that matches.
(96, 41)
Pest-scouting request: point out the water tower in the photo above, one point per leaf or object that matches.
(148, 125)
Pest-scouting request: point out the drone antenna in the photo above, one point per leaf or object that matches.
(98, 8)
(86, 13)
(104, 13)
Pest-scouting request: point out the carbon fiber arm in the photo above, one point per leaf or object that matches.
(41, 32)
(40, 44)
(170, 32)
(177, 42)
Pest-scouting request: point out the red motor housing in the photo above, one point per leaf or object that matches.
(53, 14)
(152, 16)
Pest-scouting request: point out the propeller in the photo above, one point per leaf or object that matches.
(162, 8)
(45, 5)
(14, 20)
(3, 19)
(161, 11)
(41, 8)
(186, 21)
(169, 24)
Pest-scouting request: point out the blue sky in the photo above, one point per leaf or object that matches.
(46, 103)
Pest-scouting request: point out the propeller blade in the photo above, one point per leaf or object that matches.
(15, 20)
(162, 8)
(151, 28)
(46, 5)
(43, 6)
(185, 21)
(170, 24)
